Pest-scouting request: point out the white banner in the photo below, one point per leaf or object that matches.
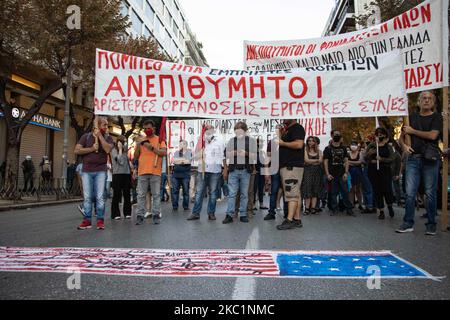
(132, 86)
(420, 33)
(190, 130)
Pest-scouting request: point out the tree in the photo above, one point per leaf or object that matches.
(37, 31)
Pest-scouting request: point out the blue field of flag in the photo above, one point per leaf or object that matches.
(346, 265)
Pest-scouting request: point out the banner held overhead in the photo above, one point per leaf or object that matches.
(420, 33)
(133, 86)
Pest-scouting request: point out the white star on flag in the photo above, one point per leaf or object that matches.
(355, 260)
(334, 269)
(317, 261)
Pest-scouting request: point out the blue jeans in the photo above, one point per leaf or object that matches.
(367, 189)
(222, 188)
(238, 180)
(211, 181)
(164, 194)
(417, 169)
(94, 187)
(274, 187)
(339, 186)
(178, 183)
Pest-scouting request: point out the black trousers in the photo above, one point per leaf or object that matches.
(121, 185)
(381, 181)
(28, 180)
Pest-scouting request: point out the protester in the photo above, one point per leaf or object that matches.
(121, 179)
(336, 169)
(240, 150)
(71, 171)
(150, 153)
(367, 189)
(379, 156)
(292, 160)
(164, 181)
(94, 147)
(258, 188)
(46, 174)
(211, 159)
(28, 173)
(181, 175)
(422, 163)
(272, 174)
(355, 171)
(396, 174)
(312, 178)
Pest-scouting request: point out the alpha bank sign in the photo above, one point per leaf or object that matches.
(39, 119)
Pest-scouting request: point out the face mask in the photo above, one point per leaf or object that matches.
(336, 138)
(354, 148)
(381, 138)
(103, 131)
(148, 132)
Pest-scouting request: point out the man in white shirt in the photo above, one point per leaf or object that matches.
(209, 172)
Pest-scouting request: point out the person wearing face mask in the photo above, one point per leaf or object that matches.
(422, 162)
(93, 176)
(355, 170)
(148, 150)
(240, 153)
(292, 161)
(211, 160)
(121, 179)
(336, 169)
(181, 175)
(380, 175)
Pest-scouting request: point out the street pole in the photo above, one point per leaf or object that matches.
(444, 220)
(66, 124)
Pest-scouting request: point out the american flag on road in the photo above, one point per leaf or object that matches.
(217, 263)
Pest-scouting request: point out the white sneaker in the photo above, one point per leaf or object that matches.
(117, 218)
(147, 214)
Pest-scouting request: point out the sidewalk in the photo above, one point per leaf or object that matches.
(31, 202)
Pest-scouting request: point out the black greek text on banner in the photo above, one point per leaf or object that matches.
(133, 86)
(420, 33)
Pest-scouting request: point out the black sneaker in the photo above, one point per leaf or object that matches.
(269, 216)
(431, 230)
(155, 219)
(334, 213)
(139, 220)
(243, 219)
(391, 212)
(228, 219)
(286, 224)
(174, 209)
(193, 217)
(298, 223)
(211, 216)
(381, 215)
(404, 229)
(351, 213)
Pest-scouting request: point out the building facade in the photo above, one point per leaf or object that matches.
(165, 21)
(341, 19)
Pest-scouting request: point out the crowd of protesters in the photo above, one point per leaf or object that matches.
(367, 176)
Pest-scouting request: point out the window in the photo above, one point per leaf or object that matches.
(136, 23)
(168, 18)
(159, 29)
(147, 33)
(149, 13)
(175, 29)
(167, 39)
(158, 5)
(124, 9)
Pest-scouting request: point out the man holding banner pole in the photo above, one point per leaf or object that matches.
(422, 161)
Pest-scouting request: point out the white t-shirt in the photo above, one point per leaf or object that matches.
(214, 155)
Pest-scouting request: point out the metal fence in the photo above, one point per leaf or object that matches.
(43, 190)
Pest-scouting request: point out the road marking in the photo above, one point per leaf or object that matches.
(244, 288)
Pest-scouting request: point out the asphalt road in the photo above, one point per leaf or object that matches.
(55, 226)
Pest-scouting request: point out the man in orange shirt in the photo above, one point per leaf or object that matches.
(149, 152)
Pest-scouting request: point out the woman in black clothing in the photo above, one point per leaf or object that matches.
(381, 177)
